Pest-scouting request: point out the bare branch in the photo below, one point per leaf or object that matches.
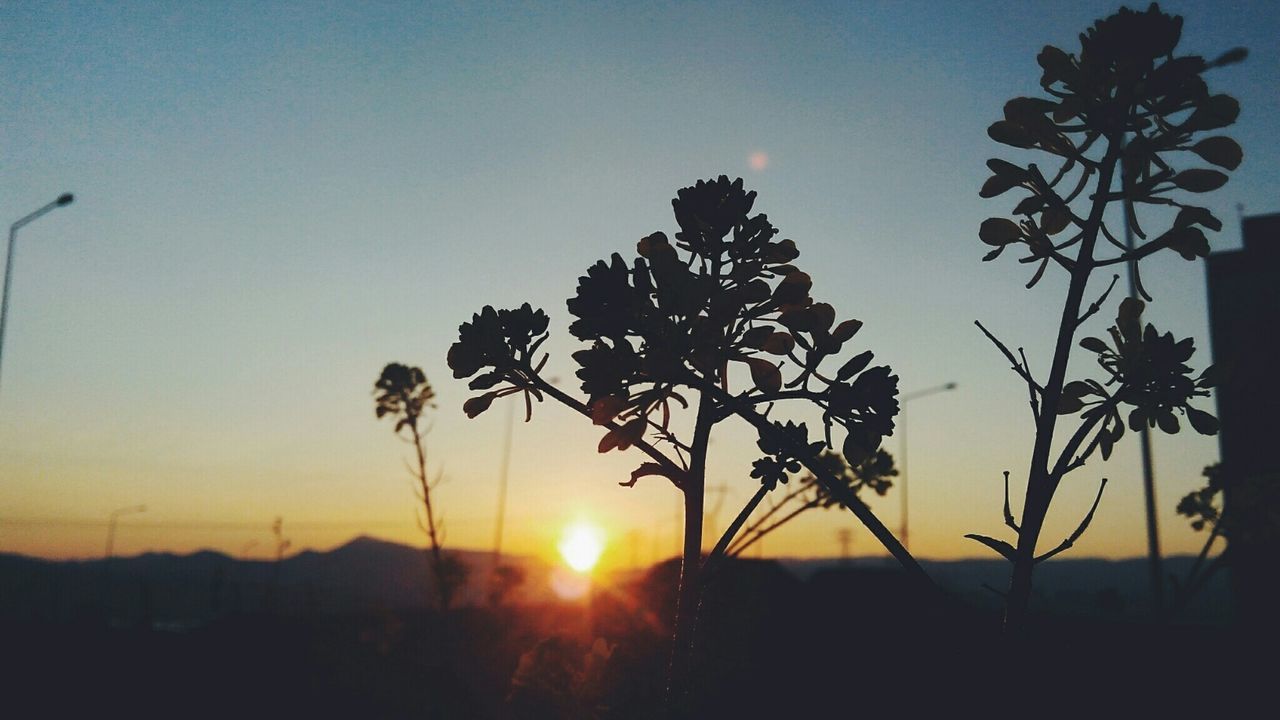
(1008, 514)
(729, 532)
(1084, 525)
(1097, 304)
(1016, 366)
(582, 409)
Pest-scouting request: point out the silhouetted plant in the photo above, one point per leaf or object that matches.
(693, 325)
(504, 581)
(1254, 520)
(282, 544)
(1125, 111)
(806, 494)
(403, 393)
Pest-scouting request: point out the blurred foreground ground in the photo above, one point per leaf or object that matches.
(840, 642)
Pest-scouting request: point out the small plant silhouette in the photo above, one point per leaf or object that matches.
(708, 322)
(403, 393)
(1123, 111)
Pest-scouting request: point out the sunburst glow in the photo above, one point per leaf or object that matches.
(581, 545)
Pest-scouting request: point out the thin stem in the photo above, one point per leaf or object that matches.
(770, 528)
(731, 531)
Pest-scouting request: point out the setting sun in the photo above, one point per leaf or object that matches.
(581, 545)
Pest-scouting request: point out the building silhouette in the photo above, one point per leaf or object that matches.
(1244, 319)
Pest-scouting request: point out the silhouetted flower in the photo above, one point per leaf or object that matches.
(403, 392)
(708, 211)
(1151, 371)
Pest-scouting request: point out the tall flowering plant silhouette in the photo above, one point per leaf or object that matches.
(716, 321)
(1118, 120)
(402, 393)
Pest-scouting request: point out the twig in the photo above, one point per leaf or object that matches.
(1097, 304)
(731, 531)
(1084, 524)
(1008, 514)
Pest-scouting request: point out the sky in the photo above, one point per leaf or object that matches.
(274, 200)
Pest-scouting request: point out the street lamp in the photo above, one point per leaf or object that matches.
(63, 200)
(902, 422)
(111, 524)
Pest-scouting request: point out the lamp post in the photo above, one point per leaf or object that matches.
(63, 200)
(111, 524)
(107, 604)
(902, 422)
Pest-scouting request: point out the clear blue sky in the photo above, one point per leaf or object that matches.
(274, 200)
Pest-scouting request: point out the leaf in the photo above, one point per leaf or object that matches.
(1068, 405)
(765, 375)
(824, 314)
(1008, 133)
(997, 185)
(1230, 57)
(1094, 344)
(1199, 180)
(1220, 150)
(605, 409)
(1054, 220)
(1189, 242)
(846, 330)
(854, 366)
(757, 336)
(1000, 546)
(1203, 422)
(622, 437)
(1218, 111)
(1105, 443)
(779, 343)
(855, 451)
(1007, 169)
(1056, 63)
(1128, 319)
(1191, 215)
(654, 244)
(999, 231)
(646, 469)
(478, 404)
(485, 381)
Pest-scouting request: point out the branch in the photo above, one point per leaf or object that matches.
(582, 409)
(1097, 304)
(773, 510)
(1033, 388)
(842, 494)
(1008, 514)
(729, 532)
(1084, 524)
(765, 398)
(1066, 459)
(770, 528)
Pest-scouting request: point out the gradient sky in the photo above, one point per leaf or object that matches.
(275, 200)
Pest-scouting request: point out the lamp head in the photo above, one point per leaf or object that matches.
(65, 199)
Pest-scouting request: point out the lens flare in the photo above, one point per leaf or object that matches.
(581, 545)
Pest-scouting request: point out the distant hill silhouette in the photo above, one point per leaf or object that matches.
(368, 574)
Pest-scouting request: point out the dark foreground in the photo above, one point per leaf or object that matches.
(840, 645)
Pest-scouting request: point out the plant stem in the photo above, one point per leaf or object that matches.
(437, 557)
(686, 620)
(1041, 481)
(722, 546)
